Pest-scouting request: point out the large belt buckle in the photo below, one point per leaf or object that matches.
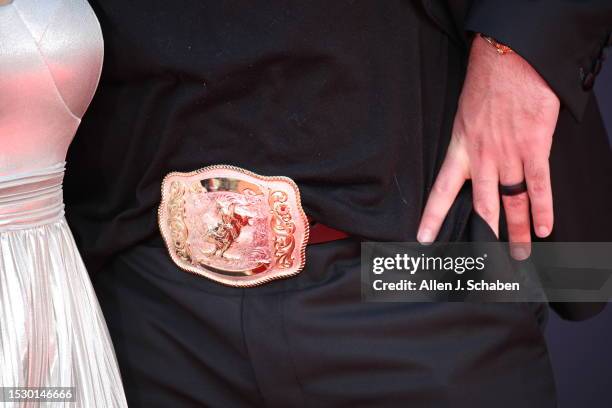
(233, 226)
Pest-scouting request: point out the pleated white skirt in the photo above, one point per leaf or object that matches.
(52, 332)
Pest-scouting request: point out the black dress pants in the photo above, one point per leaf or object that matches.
(309, 341)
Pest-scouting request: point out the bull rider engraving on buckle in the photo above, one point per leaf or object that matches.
(233, 226)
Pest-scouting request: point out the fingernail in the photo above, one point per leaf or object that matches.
(425, 236)
(543, 231)
(519, 254)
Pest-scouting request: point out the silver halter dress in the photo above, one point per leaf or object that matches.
(52, 332)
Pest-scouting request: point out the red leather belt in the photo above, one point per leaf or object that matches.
(321, 233)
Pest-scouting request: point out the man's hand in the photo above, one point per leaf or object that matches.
(502, 133)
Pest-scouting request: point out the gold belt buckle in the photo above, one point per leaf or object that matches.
(233, 226)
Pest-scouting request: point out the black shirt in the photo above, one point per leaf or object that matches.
(352, 100)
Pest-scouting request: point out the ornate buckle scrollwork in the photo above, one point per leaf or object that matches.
(233, 226)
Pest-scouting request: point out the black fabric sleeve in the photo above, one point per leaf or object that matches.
(563, 40)
(578, 311)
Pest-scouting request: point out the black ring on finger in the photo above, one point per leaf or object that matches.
(513, 189)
